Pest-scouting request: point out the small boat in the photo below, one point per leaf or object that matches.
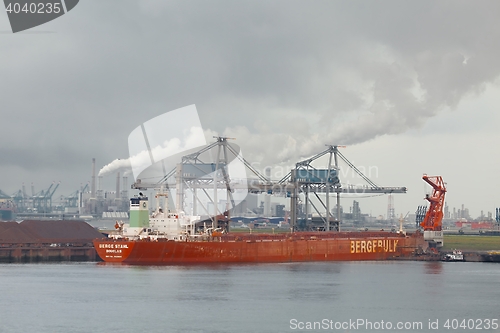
(456, 255)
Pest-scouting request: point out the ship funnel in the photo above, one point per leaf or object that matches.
(139, 212)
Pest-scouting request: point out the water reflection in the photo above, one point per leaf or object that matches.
(204, 283)
(317, 291)
(315, 267)
(433, 267)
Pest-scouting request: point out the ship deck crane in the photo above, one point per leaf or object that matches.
(432, 222)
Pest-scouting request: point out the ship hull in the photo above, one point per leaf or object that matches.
(238, 248)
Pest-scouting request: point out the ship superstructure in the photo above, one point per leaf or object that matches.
(162, 224)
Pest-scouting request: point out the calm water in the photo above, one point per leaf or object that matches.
(90, 297)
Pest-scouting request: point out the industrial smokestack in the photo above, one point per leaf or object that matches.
(125, 189)
(92, 191)
(99, 192)
(117, 196)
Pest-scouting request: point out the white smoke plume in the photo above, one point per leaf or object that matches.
(344, 74)
(118, 165)
(142, 159)
(158, 138)
(395, 97)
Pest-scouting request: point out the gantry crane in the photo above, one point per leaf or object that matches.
(73, 200)
(432, 223)
(42, 201)
(305, 178)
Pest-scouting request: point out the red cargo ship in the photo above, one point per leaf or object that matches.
(237, 248)
(174, 238)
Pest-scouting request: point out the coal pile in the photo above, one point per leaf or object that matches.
(47, 232)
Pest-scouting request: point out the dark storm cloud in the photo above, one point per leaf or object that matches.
(294, 74)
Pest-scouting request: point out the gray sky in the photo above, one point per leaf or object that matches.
(409, 87)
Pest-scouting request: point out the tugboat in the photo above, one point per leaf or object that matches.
(456, 255)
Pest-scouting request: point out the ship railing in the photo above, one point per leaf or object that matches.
(45, 245)
(308, 236)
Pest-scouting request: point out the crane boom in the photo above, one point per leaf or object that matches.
(432, 222)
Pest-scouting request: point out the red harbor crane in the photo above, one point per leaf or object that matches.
(432, 222)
